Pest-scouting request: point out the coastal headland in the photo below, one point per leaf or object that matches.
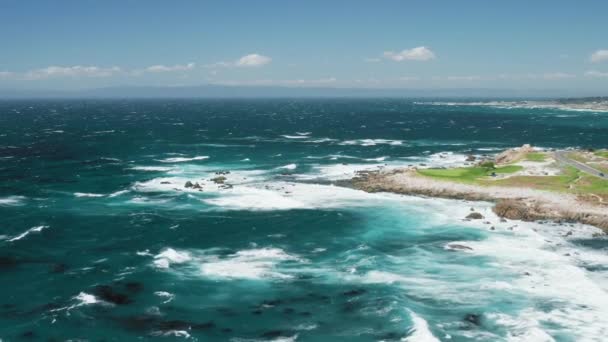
(525, 183)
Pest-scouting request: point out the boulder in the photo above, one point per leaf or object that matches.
(219, 180)
(188, 184)
(474, 216)
(471, 158)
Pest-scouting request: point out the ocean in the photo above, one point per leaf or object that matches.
(100, 240)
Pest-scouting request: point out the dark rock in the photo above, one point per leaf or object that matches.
(165, 182)
(474, 216)
(134, 286)
(107, 293)
(471, 158)
(455, 246)
(196, 186)
(59, 268)
(275, 334)
(219, 180)
(355, 292)
(7, 262)
(273, 302)
(473, 319)
(188, 184)
(28, 334)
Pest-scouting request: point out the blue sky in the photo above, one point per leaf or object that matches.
(373, 44)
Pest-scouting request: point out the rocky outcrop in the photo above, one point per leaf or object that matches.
(510, 203)
(219, 180)
(513, 154)
(474, 216)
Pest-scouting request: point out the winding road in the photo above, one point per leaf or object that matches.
(562, 156)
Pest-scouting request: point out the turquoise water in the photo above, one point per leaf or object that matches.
(99, 239)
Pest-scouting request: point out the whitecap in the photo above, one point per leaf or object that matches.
(420, 330)
(168, 297)
(36, 229)
(170, 256)
(87, 194)
(252, 264)
(182, 159)
(152, 168)
(294, 136)
(12, 201)
(118, 193)
(288, 167)
(372, 142)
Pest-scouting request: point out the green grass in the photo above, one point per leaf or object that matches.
(536, 156)
(602, 153)
(560, 182)
(467, 174)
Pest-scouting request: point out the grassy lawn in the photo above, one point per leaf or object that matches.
(570, 180)
(468, 174)
(560, 182)
(602, 153)
(536, 156)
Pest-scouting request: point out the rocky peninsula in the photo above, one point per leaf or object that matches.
(524, 183)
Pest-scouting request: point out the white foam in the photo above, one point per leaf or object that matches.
(118, 193)
(166, 295)
(286, 196)
(87, 194)
(371, 142)
(420, 331)
(294, 136)
(288, 167)
(36, 229)
(86, 299)
(170, 256)
(152, 168)
(12, 201)
(182, 159)
(248, 264)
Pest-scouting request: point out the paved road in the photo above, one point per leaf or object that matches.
(562, 156)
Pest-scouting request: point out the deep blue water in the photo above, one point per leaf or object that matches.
(100, 241)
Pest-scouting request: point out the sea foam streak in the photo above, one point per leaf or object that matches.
(420, 331)
(182, 159)
(12, 201)
(27, 232)
(248, 264)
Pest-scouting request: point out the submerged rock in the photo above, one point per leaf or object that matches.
(456, 247)
(474, 216)
(218, 180)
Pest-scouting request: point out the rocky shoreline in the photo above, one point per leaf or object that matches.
(510, 202)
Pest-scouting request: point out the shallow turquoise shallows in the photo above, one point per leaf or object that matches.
(100, 240)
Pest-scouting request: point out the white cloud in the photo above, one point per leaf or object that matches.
(71, 71)
(557, 76)
(596, 74)
(599, 56)
(253, 60)
(420, 53)
(170, 68)
(464, 78)
(247, 61)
